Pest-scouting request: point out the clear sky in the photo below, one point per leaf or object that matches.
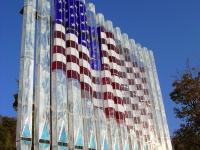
(170, 28)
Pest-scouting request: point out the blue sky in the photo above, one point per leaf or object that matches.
(170, 28)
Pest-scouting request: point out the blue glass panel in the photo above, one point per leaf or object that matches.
(127, 147)
(105, 146)
(116, 147)
(26, 131)
(45, 132)
(136, 147)
(92, 144)
(63, 136)
(79, 139)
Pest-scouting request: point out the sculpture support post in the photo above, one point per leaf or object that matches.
(25, 99)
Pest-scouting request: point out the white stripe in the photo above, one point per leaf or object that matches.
(117, 93)
(72, 37)
(107, 88)
(59, 42)
(129, 75)
(116, 79)
(59, 57)
(138, 81)
(136, 113)
(72, 51)
(136, 69)
(103, 35)
(137, 126)
(84, 63)
(96, 87)
(85, 79)
(111, 41)
(109, 103)
(119, 107)
(114, 54)
(96, 73)
(104, 47)
(128, 107)
(129, 121)
(83, 49)
(140, 93)
(105, 60)
(96, 102)
(144, 86)
(73, 66)
(105, 73)
(59, 27)
(115, 66)
(128, 64)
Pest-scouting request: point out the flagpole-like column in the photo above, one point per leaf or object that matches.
(95, 62)
(166, 136)
(152, 138)
(136, 99)
(85, 77)
(75, 120)
(42, 87)
(59, 78)
(127, 125)
(24, 137)
(115, 70)
(163, 135)
(107, 89)
(146, 103)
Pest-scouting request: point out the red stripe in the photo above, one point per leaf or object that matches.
(118, 100)
(106, 80)
(109, 111)
(58, 65)
(70, 43)
(116, 85)
(111, 47)
(73, 74)
(102, 29)
(110, 35)
(72, 58)
(58, 49)
(59, 34)
(85, 71)
(119, 116)
(104, 53)
(108, 95)
(86, 86)
(84, 56)
(105, 67)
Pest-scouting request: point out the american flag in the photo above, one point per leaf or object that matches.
(107, 69)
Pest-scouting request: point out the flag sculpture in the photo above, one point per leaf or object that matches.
(84, 84)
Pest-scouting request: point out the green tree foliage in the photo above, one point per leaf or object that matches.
(7, 133)
(186, 95)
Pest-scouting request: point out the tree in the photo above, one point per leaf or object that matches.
(186, 95)
(7, 133)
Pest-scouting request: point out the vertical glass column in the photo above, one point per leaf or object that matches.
(146, 109)
(136, 101)
(115, 70)
(86, 78)
(59, 78)
(95, 63)
(157, 100)
(42, 87)
(75, 126)
(25, 99)
(152, 139)
(125, 128)
(107, 89)
(165, 126)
